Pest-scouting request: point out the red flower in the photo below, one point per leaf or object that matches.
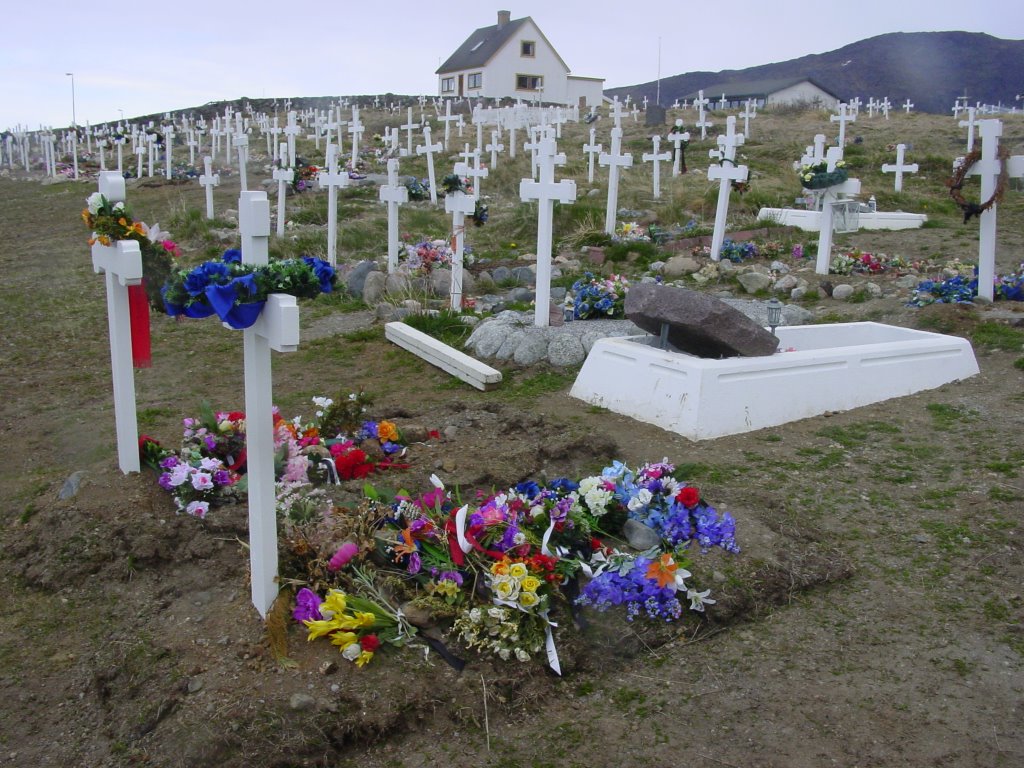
(353, 465)
(236, 416)
(689, 497)
(369, 643)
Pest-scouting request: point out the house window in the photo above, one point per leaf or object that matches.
(529, 82)
(448, 85)
(476, 80)
(528, 48)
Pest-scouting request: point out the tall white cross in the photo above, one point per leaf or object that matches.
(615, 112)
(291, 130)
(140, 151)
(988, 168)
(458, 204)
(678, 138)
(885, 106)
(656, 158)
(703, 123)
(241, 139)
(829, 198)
(899, 168)
(393, 195)
(429, 149)
(355, 128)
(969, 124)
(409, 127)
(476, 172)
(842, 118)
(907, 106)
(495, 147)
(277, 328)
(283, 176)
(614, 160)
(592, 149)
(209, 180)
(447, 119)
(749, 111)
(722, 103)
(121, 264)
(546, 192)
(726, 172)
(333, 180)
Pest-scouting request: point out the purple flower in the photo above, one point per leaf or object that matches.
(169, 463)
(307, 606)
(450, 576)
(415, 564)
(165, 481)
(210, 441)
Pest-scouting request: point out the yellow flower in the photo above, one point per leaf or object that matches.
(530, 584)
(517, 570)
(500, 568)
(503, 589)
(447, 588)
(343, 639)
(334, 602)
(364, 658)
(320, 627)
(528, 599)
(386, 430)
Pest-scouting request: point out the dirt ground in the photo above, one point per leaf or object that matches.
(874, 618)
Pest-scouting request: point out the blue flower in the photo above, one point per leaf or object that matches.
(324, 272)
(529, 489)
(232, 256)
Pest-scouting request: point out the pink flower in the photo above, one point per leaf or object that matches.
(198, 508)
(344, 554)
(202, 481)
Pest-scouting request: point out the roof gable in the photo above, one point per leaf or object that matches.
(481, 46)
(757, 88)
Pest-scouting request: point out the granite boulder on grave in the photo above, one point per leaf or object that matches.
(698, 324)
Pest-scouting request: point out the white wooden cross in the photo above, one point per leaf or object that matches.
(274, 132)
(635, 112)
(458, 204)
(429, 149)
(546, 192)
(409, 127)
(969, 124)
(151, 143)
(447, 119)
(277, 328)
(393, 195)
(656, 158)
(532, 146)
(140, 150)
(241, 140)
(815, 154)
(467, 154)
(899, 168)
(479, 135)
(291, 131)
(722, 103)
(101, 144)
(829, 197)
(725, 173)
(677, 138)
(355, 128)
(872, 106)
(988, 168)
(592, 149)
(703, 123)
(700, 102)
(476, 172)
(884, 106)
(907, 106)
(333, 180)
(495, 147)
(615, 112)
(842, 118)
(168, 150)
(749, 111)
(614, 160)
(192, 145)
(122, 265)
(283, 176)
(957, 106)
(119, 142)
(855, 105)
(209, 180)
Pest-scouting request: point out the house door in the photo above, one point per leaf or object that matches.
(460, 86)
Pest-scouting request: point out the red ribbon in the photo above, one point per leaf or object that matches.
(138, 314)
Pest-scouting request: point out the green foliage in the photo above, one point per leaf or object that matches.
(997, 336)
(446, 326)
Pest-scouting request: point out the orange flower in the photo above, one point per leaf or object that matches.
(386, 430)
(663, 570)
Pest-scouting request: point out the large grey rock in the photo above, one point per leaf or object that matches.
(639, 535)
(678, 266)
(397, 284)
(525, 275)
(842, 292)
(532, 347)
(753, 282)
(565, 350)
(357, 277)
(441, 282)
(71, 485)
(501, 274)
(698, 324)
(373, 287)
(522, 295)
(785, 284)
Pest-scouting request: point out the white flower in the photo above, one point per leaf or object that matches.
(641, 500)
(436, 482)
(681, 576)
(699, 599)
(588, 484)
(496, 613)
(210, 465)
(522, 655)
(198, 508)
(202, 481)
(352, 651)
(504, 653)
(597, 500)
(475, 615)
(94, 202)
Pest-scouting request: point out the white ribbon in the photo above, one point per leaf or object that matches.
(460, 529)
(547, 537)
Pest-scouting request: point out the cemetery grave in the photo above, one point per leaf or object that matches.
(179, 662)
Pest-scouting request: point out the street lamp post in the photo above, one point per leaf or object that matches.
(74, 122)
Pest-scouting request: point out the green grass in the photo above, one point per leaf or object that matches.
(997, 336)
(524, 384)
(945, 417)
(446, 326)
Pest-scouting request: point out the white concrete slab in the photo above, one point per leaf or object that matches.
(809, 221)
(829, 368)
(458, 364)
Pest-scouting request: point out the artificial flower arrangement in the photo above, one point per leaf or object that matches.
(630, 232)
(110, 222)
(963, 289)
(599, 297)
(818, 176)
(737, 252)
(419, 189)
(423, 257)
(236, 292)
(453, 183)
(304, 175)
(493, 571)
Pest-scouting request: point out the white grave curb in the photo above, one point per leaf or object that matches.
(447, 358)
(832, 368)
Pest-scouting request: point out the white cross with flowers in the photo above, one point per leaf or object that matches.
(429, 149)
(725, 173)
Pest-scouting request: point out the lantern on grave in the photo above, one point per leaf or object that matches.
(774, 308)
(845, 216)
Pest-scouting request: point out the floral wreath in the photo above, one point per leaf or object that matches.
(956, 184)
(453, 183)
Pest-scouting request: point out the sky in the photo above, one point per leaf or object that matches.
(140, 58)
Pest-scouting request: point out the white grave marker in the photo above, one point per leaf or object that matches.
(725, 172)
(830, 196)
(495, 147)
(409, 127)
(209, 180)
(393, 195)
(592, 149)
(332, 179)
(458, 204)
(546, 192)
(842, 118)
(122, 265)
(678, 138)
(283, 176)
(614, 160)
(899, 168)
(656, 158)
(969, 124)
(429, 149)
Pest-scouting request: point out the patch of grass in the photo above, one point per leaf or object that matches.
(999, 493)
(1019, 363)
(537, 384)
(853, 435)
(1008, 468)
(948, 537)
(945, 416)
(373, 333)
(997, 336)
(446, 326)
(151, 417)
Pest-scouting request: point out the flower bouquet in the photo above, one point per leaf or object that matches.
(818, 176)
(236, 292)
(595, 297)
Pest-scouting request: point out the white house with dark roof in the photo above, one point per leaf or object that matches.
(768, 93)
(513, 59)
